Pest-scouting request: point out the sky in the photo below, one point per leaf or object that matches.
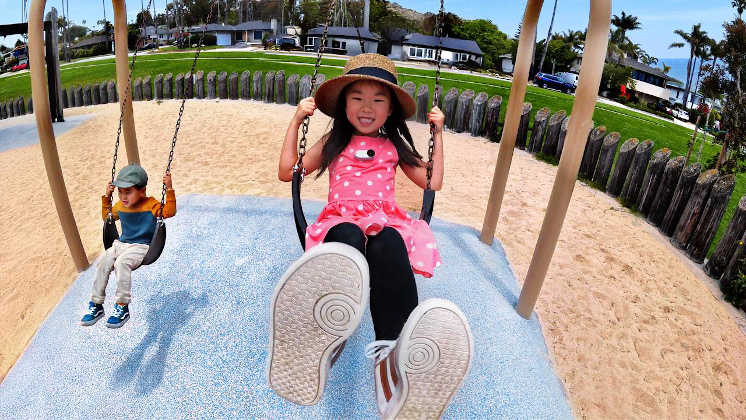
(659, 18)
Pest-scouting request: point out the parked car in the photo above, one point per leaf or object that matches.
(289, 46)
(149, 47)
(664, 107)
(681, 114)
(569, 78)
(549, 81)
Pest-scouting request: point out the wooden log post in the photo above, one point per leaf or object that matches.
(188, 84)
(9, 106)
(158, 87)
(711, 217)
(87, 97)
(320, 78)
(223, 85)
(102, 91)
(3, 111)
(168, 86)
(256, 86)
(111, 91)
(199, 84)
(71, 95)
(592, 150)
(269, 87)
(665, 191)
(439, 89)
(179, 86)
(449, 107)
(280, 87)
(462, 110)
(246, 85)
(304, 87)
(233, 86)
(21, 107)
(680, 198)
(538, 131)
(520, 139)
(293, 82)
(606, 160)
(553, 133)
(95, 95)
(623, 162)
(137, 89)
(212, 88)
(693, 210)
(637, 172)
(652, 180)
(147, 88)
(30, 105)
(410, 88)
(78, 95)
(65, 101)
(726, 249)
(493, 117)
(423, 94)
(478, 114)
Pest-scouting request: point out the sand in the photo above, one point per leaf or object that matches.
(632, 331)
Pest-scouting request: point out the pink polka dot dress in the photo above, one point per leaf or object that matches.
(361, 191)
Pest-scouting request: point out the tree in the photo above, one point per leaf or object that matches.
(696, 39)
(665, 68)
(450, 22)
(575, 39)
(559, 54)
(740, 6)
(76, 31)
(614, 76)
(625, 23)
(144, 15)
(3, 48)
(734, 114)
(546, 45)
(490, 40)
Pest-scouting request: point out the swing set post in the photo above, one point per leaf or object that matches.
(122, 59)
(40, 94)
(577, 135)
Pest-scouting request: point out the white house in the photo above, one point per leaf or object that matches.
(423, 48)
(225, 34)
(343, 40)
(254, 31)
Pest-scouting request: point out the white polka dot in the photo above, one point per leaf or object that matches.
(389, 153)
(380, 160)
(341, 159)
(388, 169)
(362, 143)
(352, 151)
(408, 216)
(437, 264)
(411, 242)
(357, 173)
(370, 182)
(349, 167)
(306, 234)
(330, 190)
(429, 246)
(413, 249)
(380, 194)
(358, 192)
(384, 219)
(347, 184)
(388, 188)
(420, 264)
(336, 196)
(360, 207)
(318, 231)
(435, 246)
(344, 209)
(337, 177)
(317, 224)
(379, 175)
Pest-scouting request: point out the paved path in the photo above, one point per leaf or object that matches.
(195, 346)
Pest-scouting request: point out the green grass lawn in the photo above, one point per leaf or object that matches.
(628, 123)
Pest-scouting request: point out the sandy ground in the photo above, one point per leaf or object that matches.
(632, 331)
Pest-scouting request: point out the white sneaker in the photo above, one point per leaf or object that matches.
(315, 308)
(418, 375)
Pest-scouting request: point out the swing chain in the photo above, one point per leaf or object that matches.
(124, 103)
(322, 46)
(181, 108)
(431, 143)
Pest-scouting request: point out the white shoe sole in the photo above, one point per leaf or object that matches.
(93, 321)
(433, 356)
(316, 306)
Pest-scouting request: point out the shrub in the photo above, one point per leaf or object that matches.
(734, 291)
(209, 39)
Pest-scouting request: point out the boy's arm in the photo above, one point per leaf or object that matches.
(169, 209)
(106, 207)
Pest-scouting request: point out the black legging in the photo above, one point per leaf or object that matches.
(393, 291)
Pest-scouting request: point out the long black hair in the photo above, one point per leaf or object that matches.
(395, 128)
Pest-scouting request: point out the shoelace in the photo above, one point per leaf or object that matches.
(118, 311)
(92, 310)
(379, 349)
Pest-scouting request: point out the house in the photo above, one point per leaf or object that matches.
(393, 38)
(90, 42)
(253, 32)
(342, 40)
(423, 47)
(225, 34)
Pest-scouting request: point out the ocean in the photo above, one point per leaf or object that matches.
(678, 68)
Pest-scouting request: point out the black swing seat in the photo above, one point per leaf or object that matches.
(156, 244)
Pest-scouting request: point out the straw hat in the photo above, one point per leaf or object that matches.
(373, 67)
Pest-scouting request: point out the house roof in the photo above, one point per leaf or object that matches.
(630, 62)
(213, 27)
(91, 41)
(254, 25)
(346, 32)
(451, 44)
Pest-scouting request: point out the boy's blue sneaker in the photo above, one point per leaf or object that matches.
(95, 312)
(121, 315)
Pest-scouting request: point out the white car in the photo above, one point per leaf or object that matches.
(568, 77)
(681, 114)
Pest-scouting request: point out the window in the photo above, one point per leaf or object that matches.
(311, 41)
(335, 43)
(257, 35)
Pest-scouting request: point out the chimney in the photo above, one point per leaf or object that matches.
(366, 15)
(273, 25)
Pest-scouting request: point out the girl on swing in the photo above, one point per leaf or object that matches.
(363, 245)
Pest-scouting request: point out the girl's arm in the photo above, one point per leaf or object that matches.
(289, 154)
(418, 175)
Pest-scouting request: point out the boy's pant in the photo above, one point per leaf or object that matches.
(121, 258)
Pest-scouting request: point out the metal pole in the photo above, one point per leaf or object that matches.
(122, 60)
(577, 135)
(40, 94)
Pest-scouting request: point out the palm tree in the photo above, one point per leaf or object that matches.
(549, 34)
(626, 23)
(666, 68)
(575, 39)
(740, 6)
(696, 40)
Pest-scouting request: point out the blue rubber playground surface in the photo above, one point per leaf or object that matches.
(20, 135)
(196, 344)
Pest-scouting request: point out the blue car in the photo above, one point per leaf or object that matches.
(548, 81)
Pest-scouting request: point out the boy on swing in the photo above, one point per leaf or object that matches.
(138, 214)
